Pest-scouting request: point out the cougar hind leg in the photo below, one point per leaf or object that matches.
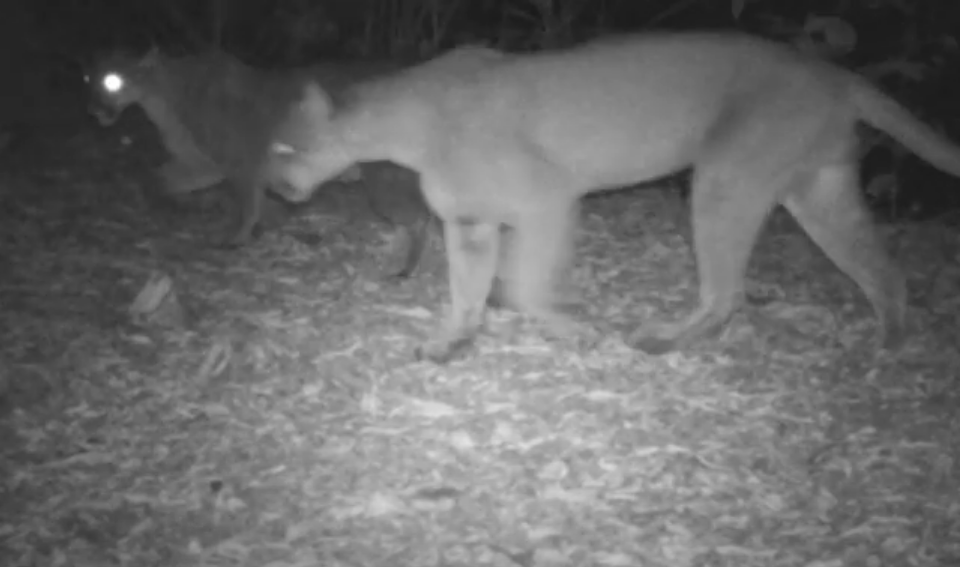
(728, 210)
(831, 210)
(472, 252)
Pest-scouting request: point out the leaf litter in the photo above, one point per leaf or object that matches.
(273, 414)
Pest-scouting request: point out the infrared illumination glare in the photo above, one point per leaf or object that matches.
(112, 83)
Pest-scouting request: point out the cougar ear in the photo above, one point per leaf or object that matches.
(316, 103)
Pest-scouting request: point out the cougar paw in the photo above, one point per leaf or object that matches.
(442, 351)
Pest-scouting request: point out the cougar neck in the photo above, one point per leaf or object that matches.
(384, 130)
(177, 139)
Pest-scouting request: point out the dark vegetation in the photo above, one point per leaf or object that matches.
(166, 403)
(910, 48)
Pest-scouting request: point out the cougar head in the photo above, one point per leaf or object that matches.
(305, 150)
(116, 80)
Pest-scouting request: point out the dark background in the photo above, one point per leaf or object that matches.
(910, 47)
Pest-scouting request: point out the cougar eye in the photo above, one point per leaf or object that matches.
(112, 82)
(283, 149)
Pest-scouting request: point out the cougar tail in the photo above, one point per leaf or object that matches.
(884, 113)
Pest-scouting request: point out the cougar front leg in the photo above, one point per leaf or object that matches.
(728, 213)
(540, 251)
(472, 252)
(418, 240)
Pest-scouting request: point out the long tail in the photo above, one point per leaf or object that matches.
(881, 111)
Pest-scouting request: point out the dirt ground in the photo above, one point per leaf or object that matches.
(267, 410)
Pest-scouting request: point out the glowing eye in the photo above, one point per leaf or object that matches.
(112, 83)
(282, 149)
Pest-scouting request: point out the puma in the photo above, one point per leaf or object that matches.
(215, 114)
(519, 139)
